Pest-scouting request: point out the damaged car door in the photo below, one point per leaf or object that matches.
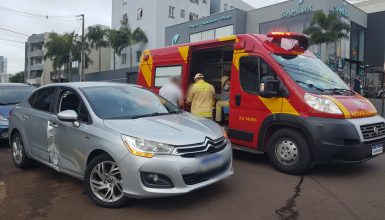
(69, 138)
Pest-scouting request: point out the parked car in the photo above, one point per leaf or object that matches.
(122, 140)
(10, 95)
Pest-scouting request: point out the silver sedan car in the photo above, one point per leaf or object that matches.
(123, 141)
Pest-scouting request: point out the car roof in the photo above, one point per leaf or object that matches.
(90, 84)
(14, 85)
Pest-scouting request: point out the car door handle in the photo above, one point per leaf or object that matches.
(237, 99)
(53, 124)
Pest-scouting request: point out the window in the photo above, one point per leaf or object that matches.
(171, 10)
(10, 95)
(125, 18)
(225, 7)
(124, 58)
(138, 56)
(125, 2)
(164, 74)
(182, 13)
(212, 34)
(139, 14)
(193, 16)
(252, 70)
(70, 101)
(195, 1)
(231, 7)
(224, 31)
(204, 1)
(44, 98)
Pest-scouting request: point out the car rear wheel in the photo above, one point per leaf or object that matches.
(19, 156)
(289, 152)
(103, 182)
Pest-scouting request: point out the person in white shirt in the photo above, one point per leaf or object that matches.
(172, 92)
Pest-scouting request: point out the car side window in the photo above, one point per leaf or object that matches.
(43, 98)
(252, 71)
(70, 101)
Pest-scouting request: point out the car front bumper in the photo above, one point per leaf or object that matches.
(341, 140)
(178, 169)
(4, 130)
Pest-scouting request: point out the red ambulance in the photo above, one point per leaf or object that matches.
(283, 100)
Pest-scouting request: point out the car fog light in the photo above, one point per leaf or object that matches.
(154, 180)
(4, 134)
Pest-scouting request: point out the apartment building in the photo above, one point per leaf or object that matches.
(3, 70)
(153, 16)
(40, 72)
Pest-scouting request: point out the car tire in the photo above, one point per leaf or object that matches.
(19, 156)
(103, 187)
(289, 152)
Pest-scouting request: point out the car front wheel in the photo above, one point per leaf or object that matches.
(289, 152)
(103, 182)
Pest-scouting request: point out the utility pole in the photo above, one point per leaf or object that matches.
(82, 57)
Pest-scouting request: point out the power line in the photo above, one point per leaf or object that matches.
(33, 15)
(15, 32)
(14, 41)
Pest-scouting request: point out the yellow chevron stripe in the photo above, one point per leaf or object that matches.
(228, 38)
(147, 74)
(273, 104)
(184, 52)
(237, 58)
(288, 108)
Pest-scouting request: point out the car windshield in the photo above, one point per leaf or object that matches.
(11, 95)
(312, 74)
(127, 102)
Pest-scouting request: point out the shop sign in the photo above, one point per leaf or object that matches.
(211, 21)
(299, 10)
(342, 10)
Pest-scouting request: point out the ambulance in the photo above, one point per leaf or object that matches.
(284, 101)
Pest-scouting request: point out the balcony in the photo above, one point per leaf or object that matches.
(37, 66)
(36, 53)
(36, 81)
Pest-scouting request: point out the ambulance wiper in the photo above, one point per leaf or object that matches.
(340, 91)
(310, 85)
(149, 115)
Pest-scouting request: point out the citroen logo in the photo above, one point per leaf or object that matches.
(300, 2)
(375, 130)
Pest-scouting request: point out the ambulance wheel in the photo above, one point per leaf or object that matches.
(289, 152)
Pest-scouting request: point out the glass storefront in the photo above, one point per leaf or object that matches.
(212, 34)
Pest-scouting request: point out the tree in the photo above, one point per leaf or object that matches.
(96, 37)
(117, 40)
(17, 78)
(132, 37)
(62, 50)
(327, 29)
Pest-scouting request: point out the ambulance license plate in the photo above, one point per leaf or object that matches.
(377, 149)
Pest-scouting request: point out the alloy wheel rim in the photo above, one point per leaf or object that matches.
(17, 150)
(106, 182)
(287, 152)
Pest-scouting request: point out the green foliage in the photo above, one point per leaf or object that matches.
(96, 36)
(17, 78)
(327, 28)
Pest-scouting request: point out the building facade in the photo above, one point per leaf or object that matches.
(346, 57)
(153, 16)
(3, 70)
(39, 71)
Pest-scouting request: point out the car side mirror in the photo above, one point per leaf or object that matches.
(269, 87)
(68, 116)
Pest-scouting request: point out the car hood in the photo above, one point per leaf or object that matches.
(5, 110)
(355, 106)
(181, 129)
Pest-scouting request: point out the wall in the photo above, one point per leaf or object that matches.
(119, 75)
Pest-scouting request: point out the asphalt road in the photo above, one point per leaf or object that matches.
(256, 191)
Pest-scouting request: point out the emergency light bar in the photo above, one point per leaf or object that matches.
(303, 40)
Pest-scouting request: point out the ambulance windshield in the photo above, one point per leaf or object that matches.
(312, 74)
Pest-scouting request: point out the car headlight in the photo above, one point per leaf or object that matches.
(145, 148)
(2, 118)
(322, 104)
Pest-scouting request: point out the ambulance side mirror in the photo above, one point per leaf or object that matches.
(269, 87)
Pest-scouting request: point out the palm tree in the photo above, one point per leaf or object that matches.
(132, 37)
(327, 29)
(96, 37)
(117, 41)
(62, 50)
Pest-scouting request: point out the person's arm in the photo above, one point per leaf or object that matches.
(180, 99)
(190, 94)
(213, 95)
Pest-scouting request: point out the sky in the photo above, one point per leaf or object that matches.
(53, 15)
